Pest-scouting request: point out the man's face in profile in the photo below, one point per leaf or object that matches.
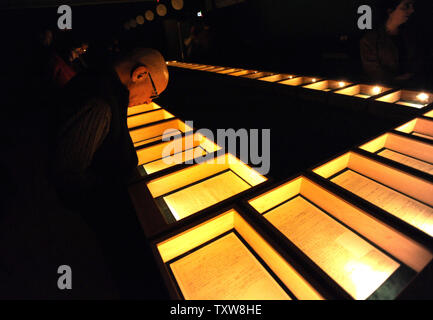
(402, 13)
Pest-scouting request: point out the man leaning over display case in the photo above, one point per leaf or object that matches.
(94, 159)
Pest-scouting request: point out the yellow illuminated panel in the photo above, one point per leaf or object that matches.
(148, 117)
(219, 263)
(202, 195)
(190, 190)
(409, 161)
(407, 151)
(418, 127)
(218, 69)
(156, 132)
(411, 211)
(278, 77)
(210, 68)
(257, 75)
(351, 261)
(142, 108)
(401, 194)
(408, 98)
(363, 91)
(242, 72)
(170, 161)
(201, 67)
(429, 114)
(167, 154)
(299, 81)
(327, 85)
(230, 70)
(388, 239)
(224, 268)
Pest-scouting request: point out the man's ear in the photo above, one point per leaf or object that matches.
(139, 73)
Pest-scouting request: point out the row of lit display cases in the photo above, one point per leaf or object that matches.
(358, 227)
(163, 141)
(319, 89)
(353, 228)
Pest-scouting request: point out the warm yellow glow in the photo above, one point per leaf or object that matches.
(227, 283)
(429, 114)
(313, 80)
(341, 84)
(377, 90)
(410, 104)
(225, 270)
(211, 190)
(397, 203)
(332, 246)
(364, 278)
(187, 201)
(422, 97)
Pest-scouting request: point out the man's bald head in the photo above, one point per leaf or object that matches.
(137, 68)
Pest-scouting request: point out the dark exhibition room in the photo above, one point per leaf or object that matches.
(216, 150)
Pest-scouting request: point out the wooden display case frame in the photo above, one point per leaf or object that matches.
(314, 286)
(149, 214)
(374, 232)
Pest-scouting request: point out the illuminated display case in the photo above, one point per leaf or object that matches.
(142, 108)
(406, 151)
(418, 127)
(258, 74)
(320, 91)
(167, 154)
(185, 192)
(218, 69)
(201, 67)
(293, 87)
(364, 257)
(363, 91)
(242, 72)
(228, 70)
(357, 97)
(413, 99)
(156, 132)
(210, 68)
(397, 193)
(327, 85)
(145, 118)
(278, 77)
(227, 257)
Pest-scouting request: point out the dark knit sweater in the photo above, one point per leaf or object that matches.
(94, 154)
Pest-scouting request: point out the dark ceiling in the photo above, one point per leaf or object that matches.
(14, 4)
